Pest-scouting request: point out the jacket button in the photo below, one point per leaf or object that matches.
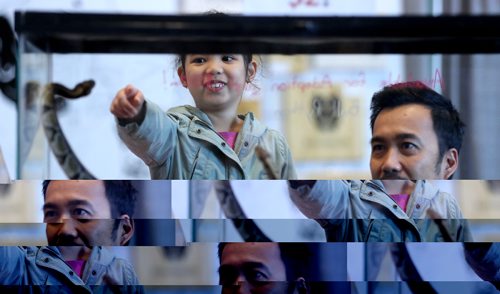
(223, 144)
(198, 131)
(46, 259)
(395, 206)
(246, 144)
(71, 273)
(370, 193)
(94, 273)
(418, 206)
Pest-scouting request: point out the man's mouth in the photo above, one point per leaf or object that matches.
(68, 242)
(392, 177)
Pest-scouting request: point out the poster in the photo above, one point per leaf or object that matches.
(322, 123)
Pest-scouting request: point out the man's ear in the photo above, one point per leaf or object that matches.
(301, 286)
(126, 230)
(182, 76)
(449, 164)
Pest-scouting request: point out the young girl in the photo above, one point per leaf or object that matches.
(209, 141)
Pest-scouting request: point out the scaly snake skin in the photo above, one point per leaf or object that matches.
(61, 149)
(407, 269)
(247, 228)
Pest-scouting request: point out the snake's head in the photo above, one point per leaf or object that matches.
(86, 86)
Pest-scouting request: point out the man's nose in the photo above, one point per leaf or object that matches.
(67, 227)
(242, 287)
(391, 162)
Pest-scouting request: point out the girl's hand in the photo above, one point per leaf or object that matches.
(127, 103)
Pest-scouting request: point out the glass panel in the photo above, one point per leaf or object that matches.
(34, 73)
(295, 95)
(4, 173)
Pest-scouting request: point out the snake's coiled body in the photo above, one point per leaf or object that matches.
(61, 149)
(247, 228)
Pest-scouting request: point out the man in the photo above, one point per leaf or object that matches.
(282, 267)
(81, 217)
(416, 135)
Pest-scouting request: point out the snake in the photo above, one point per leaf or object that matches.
(8, 60)
(407, 269)
(246, 227)
(8, 86)
(66, 157)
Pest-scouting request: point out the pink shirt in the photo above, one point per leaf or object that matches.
(401, 200)
(77, 266)
(229, 137)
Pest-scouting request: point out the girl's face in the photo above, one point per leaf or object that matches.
(216, 81)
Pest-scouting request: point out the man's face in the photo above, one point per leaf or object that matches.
(252, 268)
(78, 213)
(405, 146)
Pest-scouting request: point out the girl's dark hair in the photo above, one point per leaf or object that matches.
(247, 58)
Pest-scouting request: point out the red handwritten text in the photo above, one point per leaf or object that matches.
(308, 3)
(431, 83)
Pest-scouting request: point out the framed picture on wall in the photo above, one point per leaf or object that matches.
(321, 123)
(21, 216)
(480, 199)
(480, 203)
(177, 266)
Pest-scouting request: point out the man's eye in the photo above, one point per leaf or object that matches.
(79, 212)
(227, 277)
(257, 276)
(408, 145)
(49, 214)
(408, 148)
(377, 148)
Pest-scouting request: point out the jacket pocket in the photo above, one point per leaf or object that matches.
(194, 173)
(372, 228)
(379, 228)
(206, 166)
(372, 231)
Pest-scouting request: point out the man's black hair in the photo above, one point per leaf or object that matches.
(298, 259)
(448, 127)
(121, 196)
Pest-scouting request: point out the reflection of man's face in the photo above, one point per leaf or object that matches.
(252, 268)
(405, 146)
(78, 213)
